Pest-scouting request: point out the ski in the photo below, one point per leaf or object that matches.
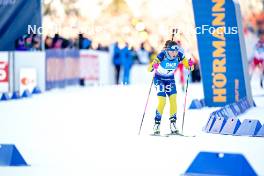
(159, 135)
(172, 134)
(179, 134)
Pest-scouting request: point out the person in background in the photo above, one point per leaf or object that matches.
(116, 58)
(20, 44)
(36, 43)
(143, 55)
(257, 60)
(100, 47)
(181, 69)
(48, 42)
(259, 56)
(28, 42)
(57, 42)
(127, 62)
(84, 43)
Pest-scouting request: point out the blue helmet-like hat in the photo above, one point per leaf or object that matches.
(172, 47)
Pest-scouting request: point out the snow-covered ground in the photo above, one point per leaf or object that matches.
(94, 132)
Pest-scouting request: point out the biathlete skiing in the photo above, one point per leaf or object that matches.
(165, 66)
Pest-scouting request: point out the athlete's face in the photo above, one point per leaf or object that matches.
(173, 54)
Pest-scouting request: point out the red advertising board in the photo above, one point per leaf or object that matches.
(4, 77)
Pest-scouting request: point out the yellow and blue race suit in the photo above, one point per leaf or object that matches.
(164, 81)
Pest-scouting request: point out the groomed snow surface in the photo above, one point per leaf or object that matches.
(93, 131)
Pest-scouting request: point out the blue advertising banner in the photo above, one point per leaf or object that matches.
(220, 45)
(16, 17)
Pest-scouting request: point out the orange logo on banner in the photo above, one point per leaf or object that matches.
(25, 81)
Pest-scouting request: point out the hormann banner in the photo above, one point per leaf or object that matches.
(222, 51)
(17, 17)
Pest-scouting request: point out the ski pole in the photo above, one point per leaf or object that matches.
(146, 106)
(185, 100)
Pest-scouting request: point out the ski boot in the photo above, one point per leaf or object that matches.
(156, 128)
(173, 127)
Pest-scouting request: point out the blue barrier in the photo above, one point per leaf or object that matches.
(202, 102)
(210, 124)
(5, 96)
(195, 104)
(10, 156)
(15, 95)
(26, 94)
(36, 90)
(218, 125)
(249, 127)
(229, 111)
(261, 132)
(228, 124)
(209, 163)
(231, 126)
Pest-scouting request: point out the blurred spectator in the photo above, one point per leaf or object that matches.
(196, 75)
(99, 47)
(57, 42)
(127, 62)
(134, 55)
(116, 61)
(48, 42)
(257, 61)
(143, 55)
(36, 43)
(84, 43)
(30, 42)
(20, 44)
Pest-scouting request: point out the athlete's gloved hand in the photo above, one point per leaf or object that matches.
(155, 66)
(191, 65)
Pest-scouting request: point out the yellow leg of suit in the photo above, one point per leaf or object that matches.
(161, 104)
(173, 104)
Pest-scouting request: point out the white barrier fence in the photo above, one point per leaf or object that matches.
(22, 70)
(96, 67)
